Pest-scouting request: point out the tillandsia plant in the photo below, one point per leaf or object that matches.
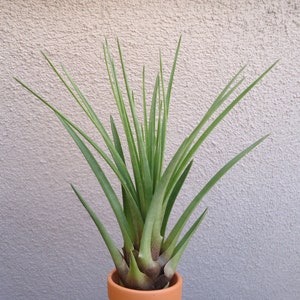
(151, 252)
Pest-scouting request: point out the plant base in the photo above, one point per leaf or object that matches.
(118, 292)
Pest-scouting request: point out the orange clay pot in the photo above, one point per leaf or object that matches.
(118, 292)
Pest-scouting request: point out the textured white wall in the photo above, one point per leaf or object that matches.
(248, 246)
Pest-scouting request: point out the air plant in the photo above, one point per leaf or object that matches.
(151, 253)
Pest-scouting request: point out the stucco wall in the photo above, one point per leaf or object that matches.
(248, 246)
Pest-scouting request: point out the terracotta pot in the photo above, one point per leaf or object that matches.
(118, 292)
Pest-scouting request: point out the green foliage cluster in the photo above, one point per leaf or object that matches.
(151, 253)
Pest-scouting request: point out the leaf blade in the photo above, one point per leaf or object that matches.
(177, 229)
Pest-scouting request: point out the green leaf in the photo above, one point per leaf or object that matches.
(173, 172)
(185, 157)
(113, 250)
(177, 229)
(222, 115)
(168, 96)
(162, 133)
(173, 196)
(136, 279)
(106, 186)
(116, 138)
(119, 160)
(131, 211)
(171, 266)
(188, 154)
(127, 128)
(123, 174)
(145, 108)
(150, 138)
(151, 237)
